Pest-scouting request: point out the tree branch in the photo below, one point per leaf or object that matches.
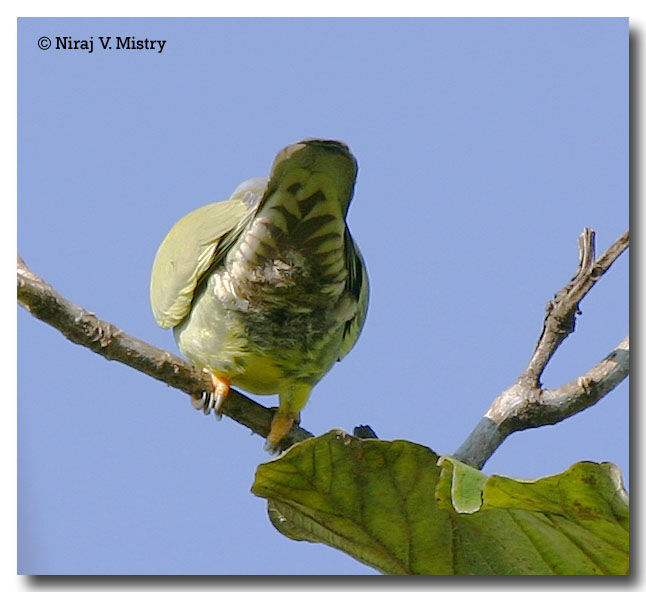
(84, 328)
(525, 404)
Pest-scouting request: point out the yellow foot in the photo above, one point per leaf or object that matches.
(280, 426)
(215, 399)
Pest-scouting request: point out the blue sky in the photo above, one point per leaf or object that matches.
(484, 147)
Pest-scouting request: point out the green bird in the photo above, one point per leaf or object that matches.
(267, 290)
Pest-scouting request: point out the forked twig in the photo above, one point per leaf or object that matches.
(525, 404)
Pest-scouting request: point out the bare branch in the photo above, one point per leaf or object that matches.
(84, 328)
(588, 388)
(525, 404)
(563, 308)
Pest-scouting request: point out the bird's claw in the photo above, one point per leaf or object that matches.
(273, 449)
(213, 401)
(281, 424)
(204, 403)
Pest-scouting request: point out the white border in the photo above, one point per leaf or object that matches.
(118, 8)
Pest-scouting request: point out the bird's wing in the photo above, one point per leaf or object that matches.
(192, 246)
(357, 286)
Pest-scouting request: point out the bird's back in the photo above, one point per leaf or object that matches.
(277, 308)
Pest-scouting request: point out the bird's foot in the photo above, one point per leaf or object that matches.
(215, 399)
(281, 424)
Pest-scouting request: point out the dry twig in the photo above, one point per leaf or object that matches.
(525, 404)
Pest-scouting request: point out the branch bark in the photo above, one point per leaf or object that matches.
(84, 328)
(526, 404)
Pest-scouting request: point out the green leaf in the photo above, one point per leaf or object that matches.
(390, 505)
